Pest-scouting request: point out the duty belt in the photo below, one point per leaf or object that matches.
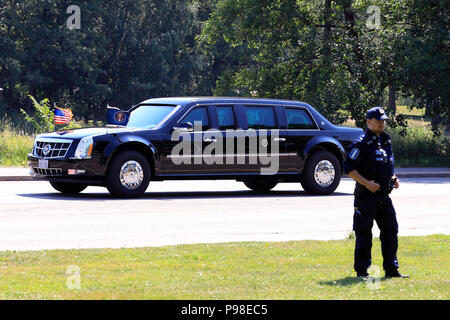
(360, 190)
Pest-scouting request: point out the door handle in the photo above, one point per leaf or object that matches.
(279, 139)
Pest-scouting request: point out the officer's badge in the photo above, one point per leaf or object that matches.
(381, 155)
(354, 153)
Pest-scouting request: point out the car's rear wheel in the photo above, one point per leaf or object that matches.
(128, 175)
(68, 188)
(322, 173)
(260, 185)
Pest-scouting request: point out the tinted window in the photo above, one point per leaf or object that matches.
(298, 119)
(196, 115)
(260, 117)
(225, 115)
(148, 116)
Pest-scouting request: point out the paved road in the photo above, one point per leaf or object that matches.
(33, 216)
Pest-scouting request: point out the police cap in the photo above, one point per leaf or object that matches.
(377, 113)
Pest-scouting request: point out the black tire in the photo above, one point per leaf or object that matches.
(260, 185)
(68, 188)
(113, 182)
(317, 185)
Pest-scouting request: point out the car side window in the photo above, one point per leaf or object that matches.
(298, 119)
(225, 116)
(260, 117)
(197, 115)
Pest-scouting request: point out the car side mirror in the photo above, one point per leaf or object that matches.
(184, 126)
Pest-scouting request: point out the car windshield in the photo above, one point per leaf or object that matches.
(148, 116)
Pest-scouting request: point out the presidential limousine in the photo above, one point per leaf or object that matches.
(261, 142)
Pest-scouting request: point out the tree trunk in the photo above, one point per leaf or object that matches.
(436, 118)
(391, 104)
(428, 108)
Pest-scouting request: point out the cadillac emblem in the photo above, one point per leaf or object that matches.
(46, 150)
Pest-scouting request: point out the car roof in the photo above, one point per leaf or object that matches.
(187, 100)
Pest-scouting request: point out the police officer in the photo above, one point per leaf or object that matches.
(370, 162)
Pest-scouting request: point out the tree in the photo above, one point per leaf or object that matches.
(321, 52)
(426, 71)
(125, 51)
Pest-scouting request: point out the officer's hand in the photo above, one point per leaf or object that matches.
(372, 186)
(396, 182)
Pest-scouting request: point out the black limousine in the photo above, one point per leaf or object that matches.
(260, 142)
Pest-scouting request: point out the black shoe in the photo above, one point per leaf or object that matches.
(395, 274)
(362, 275)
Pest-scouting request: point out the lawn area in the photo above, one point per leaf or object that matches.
(410, 112)
(247, 270)
(14, 146)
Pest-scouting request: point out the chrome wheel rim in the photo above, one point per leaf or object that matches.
(131, 175)
(324, 173)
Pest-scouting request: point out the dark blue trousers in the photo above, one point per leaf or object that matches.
(370, 207)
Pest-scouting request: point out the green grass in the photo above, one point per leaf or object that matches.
(247, 270)
(410, 111)
(14, 145)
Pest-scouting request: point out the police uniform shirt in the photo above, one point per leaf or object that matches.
(372, 156)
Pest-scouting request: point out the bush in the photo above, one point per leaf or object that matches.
(14, 145)
(420, 147)
(43, 118)
(42, 121)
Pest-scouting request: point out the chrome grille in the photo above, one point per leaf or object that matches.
(48, 172)
(51, 148)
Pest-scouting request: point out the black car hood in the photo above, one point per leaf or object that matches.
(86, 132)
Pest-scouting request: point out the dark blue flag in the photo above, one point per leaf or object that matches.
(117, 116)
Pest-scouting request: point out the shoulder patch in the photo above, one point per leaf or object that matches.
(354, 153)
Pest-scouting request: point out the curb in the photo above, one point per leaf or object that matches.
(425, 175)
(21, 178)
(416, 175)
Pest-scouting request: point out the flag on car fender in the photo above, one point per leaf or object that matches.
(117, 116)
(62, 116)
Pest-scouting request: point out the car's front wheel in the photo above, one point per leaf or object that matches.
(260, 185)
(128, 175)
(322, 173)
(68, 188)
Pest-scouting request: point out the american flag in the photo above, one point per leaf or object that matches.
(62, 116)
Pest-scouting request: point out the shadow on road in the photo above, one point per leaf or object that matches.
(179, 195)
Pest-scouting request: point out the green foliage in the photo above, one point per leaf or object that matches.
(425, 69)
(125, 52)
(42, 121)
(399, 121)
(318, 51)
(324, 53)
(14, 145)
(419, 147)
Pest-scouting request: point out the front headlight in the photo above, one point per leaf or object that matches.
(84, 149)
